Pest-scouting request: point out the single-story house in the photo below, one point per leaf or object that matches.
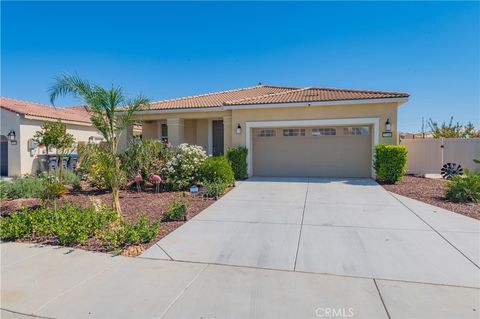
(20, 120)
(289, 131)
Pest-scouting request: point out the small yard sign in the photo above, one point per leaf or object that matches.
(194, 189)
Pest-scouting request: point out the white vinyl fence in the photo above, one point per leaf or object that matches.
(427, 156)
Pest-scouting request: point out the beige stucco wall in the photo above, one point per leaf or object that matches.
(11, 121)
(202, 133)
(28, 128)
(190, 131)
(150, 130)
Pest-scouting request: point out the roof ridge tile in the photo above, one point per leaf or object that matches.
(266, 95)
(207, 94)
(26, 101)
(354, 90)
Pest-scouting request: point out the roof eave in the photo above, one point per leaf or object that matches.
(179, 110)
(400, 101)
(51, 119)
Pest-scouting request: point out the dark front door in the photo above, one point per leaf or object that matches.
(3, 156)
(217, 127)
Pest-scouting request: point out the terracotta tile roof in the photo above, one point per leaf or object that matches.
(217, 99)
(267, 94)
(317, 95)
(78, 113)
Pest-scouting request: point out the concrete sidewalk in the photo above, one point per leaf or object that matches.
(64, 283)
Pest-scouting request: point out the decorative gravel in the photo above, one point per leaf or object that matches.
(149, 204)
(431, 191)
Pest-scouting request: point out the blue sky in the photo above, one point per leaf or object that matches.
(167, 50)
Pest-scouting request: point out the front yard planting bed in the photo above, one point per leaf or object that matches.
(431, 191)
(134, 205)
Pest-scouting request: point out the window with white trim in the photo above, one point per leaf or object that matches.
(266, 133)
(324, 131)
(294, 132)
(364, 130)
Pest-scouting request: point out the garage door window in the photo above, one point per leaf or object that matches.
(356, 131)
(324, 131)
(294, 132)
(265, 133)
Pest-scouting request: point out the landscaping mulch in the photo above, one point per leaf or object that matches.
(147, 203)
(431, 191)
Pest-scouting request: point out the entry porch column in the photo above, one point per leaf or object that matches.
(227, 133)
(175, 127)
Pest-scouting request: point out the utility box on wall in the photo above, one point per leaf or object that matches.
(32, 144)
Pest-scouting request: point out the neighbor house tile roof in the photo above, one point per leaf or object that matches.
(78, 113)
(267, 94)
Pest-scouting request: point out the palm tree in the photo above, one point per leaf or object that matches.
(104, 107)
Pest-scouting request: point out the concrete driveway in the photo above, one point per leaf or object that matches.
(350, 227)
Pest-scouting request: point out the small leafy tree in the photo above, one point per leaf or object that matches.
(452, 130)
(54, 135)
(111, 113)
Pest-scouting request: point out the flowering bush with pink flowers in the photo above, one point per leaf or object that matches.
(181, 171)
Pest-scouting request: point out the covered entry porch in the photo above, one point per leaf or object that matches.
(212, 133)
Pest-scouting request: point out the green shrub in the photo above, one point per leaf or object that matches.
(68, 223)
(41, 186)
(42, 221)
(390, 162)
(216, 169)
(74, 225)
(15, 226)
(26, 187)
(96, 166)
(77, 186)
(238, 158)
(215, 188)
(146, 157)
(53, 189)
(126, 233)
(70, 177)
(3, 191)
(177, 210)
(464, 188)
(216, 175)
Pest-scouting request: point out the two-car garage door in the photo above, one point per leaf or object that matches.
(336, 151)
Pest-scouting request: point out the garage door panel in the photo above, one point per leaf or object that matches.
(329, 156)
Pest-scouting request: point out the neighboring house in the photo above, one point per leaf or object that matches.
(20, 120)
(289, 131)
